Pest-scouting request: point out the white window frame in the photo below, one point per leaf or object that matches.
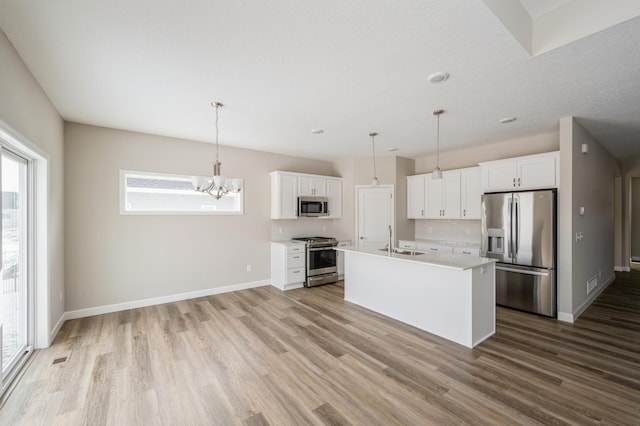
(123, 197)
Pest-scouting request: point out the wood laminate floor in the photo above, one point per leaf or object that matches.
(306, 356)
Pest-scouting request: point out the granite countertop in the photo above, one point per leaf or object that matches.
(443, 260)
(288, 242)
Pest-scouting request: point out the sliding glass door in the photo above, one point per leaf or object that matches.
(16, 306)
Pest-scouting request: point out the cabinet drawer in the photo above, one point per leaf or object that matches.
(295, 260)
(467, 251)
(298, 248)
(434, 247)
(296, 275)
(407, 244)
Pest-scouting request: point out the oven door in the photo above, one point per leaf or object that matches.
(321, 260)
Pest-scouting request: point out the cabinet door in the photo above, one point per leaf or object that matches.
(284, 196)
(467, 251)
(537, 173)
(435, 200)
(434, 247)
(499, 177)
(334, 194)
(471, 194)
(416, 197)
(451, 195)
(443, 196)
(312, 186)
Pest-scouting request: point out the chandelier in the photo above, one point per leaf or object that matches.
(218, 185)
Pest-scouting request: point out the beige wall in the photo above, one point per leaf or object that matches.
(112, 258)
(26, 108)
(586, 180)
(471, 156)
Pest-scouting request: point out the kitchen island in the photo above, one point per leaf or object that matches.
(450, 295)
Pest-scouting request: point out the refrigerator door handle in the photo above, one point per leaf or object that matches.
(523, 271)
(516, 201)
(512, 252)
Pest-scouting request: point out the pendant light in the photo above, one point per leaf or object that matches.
(218, 186)
(437, 173)
(374, 181)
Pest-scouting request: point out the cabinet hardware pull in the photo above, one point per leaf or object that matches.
(518, 181)
(464, 212)
(514, 181)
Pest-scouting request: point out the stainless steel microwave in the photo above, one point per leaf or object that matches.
(313, 206)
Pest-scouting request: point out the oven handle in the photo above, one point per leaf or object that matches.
(321, 248)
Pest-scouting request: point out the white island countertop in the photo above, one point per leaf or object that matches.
(443, 260)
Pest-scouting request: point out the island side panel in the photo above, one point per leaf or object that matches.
(484, 302)
(434, 299)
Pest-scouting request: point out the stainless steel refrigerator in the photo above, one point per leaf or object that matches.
(519, 230)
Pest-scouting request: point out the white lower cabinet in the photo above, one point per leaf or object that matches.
(288, 269)
(440, 248)
(467, 251)
(410, 245)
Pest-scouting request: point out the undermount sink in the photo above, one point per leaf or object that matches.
(401, 251)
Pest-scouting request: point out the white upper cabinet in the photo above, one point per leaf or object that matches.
(471, 193)
(416, 197)
(334, 194)
(312, 186)
(443, 196)
(529, 172)
(286, 187)
(284, 195)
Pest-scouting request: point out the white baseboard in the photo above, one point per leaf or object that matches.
(567, 317)
(622, 268)
(56, 329)
(117, 307)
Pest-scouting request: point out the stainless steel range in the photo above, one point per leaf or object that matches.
(321, 260)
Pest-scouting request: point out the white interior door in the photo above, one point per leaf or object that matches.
(374, 215)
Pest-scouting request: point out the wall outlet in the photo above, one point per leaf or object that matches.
(279, 229)
(248, 268)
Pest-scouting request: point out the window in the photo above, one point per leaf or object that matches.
(159, 193)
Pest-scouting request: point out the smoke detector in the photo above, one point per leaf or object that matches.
(438, 77)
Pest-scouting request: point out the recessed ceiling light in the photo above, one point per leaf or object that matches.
(438, 77)
(392, 149)
(508, 120)
(317, 131)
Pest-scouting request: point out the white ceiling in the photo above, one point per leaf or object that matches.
(284, 67)
(537, 8)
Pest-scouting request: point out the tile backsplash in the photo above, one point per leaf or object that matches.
(301, 227)
(450, 230)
